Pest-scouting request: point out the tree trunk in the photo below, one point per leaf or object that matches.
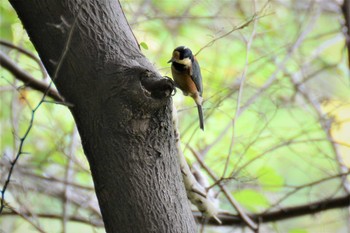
(122, 108)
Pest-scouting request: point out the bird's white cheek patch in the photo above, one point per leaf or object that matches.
(186, 61)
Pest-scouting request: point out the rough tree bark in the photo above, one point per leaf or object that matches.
(122, 108)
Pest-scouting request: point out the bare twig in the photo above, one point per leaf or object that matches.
(307, 185)
(28, 80)
(253, 18)
(27, 53)
(239, 97)
(325, 124)
(289, 212)
(280, 145)
(74, 218)
(25, 217)
(244, 217)
(283, 63)
(67, 178)
(22, 139)
(346, 13)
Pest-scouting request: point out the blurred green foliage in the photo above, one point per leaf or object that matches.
(281, 139)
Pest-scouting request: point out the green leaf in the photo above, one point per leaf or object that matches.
(270, 179)
(297, 231)
(252, 200)
(144, 45)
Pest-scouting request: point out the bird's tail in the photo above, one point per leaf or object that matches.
(200, 114)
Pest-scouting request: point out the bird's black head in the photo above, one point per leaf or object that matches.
(184, 52)
(180, 54)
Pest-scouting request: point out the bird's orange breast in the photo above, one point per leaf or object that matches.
(185, 82)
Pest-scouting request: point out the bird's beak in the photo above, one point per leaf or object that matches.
(171, 60)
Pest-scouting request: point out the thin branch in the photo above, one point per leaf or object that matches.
(28, 80)
(26, 218)
(325, 124)
(346, 12)
(298, 188)
(280, 145)
(27, 53)
(281, 65)
(31, 122)
(255, 17)
(13, 163)
(68, 177)
(286, 213)
(75, 218)
(243, 216)
(27, 172)
(239, 97)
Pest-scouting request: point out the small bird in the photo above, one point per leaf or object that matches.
(187, 76)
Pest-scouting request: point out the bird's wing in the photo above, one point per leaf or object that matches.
(197, 76)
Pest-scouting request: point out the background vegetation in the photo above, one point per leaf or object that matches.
(277, 114)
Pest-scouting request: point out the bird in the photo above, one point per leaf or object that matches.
(187, 76)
